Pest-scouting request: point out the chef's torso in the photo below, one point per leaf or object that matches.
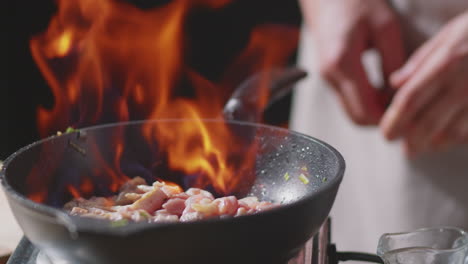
(382, 190)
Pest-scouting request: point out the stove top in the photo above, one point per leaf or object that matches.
(314, 252)
(318, 250)
(27, 253)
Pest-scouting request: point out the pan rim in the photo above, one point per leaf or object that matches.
(98, 226)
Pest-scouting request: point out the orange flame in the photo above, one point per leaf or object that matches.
(73, 191)
(109, 61)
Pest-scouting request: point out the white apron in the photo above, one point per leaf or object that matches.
(382, 191)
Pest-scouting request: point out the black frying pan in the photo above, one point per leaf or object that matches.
(48, 166)
(270, 237)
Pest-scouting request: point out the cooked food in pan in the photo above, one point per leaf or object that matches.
(163, 202)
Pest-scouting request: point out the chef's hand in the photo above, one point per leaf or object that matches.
(343, 31)
(430, 109)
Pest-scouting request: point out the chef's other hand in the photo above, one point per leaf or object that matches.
(430, 109)
(343, 31)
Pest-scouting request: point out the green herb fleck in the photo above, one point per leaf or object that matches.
(286, 176)
(144, 214)
(70, 130)
(304, 168)
(119, 223)
(303, 179)
(324, 179)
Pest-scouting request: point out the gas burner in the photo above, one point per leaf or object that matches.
(318, 250)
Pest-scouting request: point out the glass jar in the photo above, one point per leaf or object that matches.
(447, 245)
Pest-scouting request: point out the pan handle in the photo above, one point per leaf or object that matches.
(245, 102)
(334, 257)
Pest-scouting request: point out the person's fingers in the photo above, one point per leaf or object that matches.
(341, 67)
(387, 39)
(459, 93)
(456, 132)
(416, 93)
(441, 123)
(357, 96)
(433, 121)
(340, 49)
(431, 110)
(399, 77)
(452, 37)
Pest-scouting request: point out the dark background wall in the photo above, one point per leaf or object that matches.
(219, 36)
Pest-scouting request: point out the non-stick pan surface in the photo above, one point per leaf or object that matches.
(269, 237)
